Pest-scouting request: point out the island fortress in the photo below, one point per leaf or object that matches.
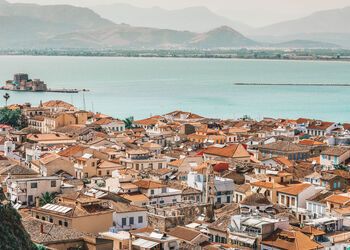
(22, 82)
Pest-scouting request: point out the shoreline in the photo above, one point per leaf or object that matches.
(279, 55)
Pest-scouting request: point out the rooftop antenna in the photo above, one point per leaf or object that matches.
(71, 99)
(84, 103)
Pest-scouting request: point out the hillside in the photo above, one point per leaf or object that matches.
(23, 24)
(329, 21)
(64, 26)
(125, 36)
(12, 232)
(305, 44)
(222, 37)
(195, 19)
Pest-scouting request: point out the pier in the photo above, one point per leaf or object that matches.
(294, 84)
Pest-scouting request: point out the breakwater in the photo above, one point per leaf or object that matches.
(294, 84)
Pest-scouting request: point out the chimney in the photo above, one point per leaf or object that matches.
(41, 228)
(37, 202)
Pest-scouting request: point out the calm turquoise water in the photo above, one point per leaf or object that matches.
(133, 86)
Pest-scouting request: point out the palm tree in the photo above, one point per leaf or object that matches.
(46, 198)
(129, 122)
(6, 97)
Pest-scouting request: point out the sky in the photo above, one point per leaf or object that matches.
(253, 12)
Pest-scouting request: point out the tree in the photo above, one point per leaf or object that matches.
(6, 97)
(12, 118)
(12, 233)
(129, 122)
(46, 198)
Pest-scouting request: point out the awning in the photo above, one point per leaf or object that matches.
(242, 239)
(144, 243)
(17, 206)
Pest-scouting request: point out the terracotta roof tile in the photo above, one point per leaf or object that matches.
(295, 189)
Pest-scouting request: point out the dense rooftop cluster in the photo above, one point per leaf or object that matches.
(176, 181)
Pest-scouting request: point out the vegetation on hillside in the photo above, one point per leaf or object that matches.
(12, 233)
(12, 118)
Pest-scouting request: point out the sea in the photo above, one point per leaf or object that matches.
(141, 87)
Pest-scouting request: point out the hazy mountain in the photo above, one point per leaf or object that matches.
(329, 21)
(196, 19)
(16, 30)
(30, 21)
(222, 37)
(123, 36)
(64, 26)
(126, 36)
(305, 44)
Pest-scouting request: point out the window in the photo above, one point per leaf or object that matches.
(43, 218)
(140, 219)
(159, 165)
(123, 221)
(293, 201)
(282, 199)
(152, 191)
(99, 172)
(164, 190)
(107, 172)
(51, 220)
(60, 222)
(161, 202)
(34, 185)
(53, 184)
(66, 224)
(30, 199)
(131, 220)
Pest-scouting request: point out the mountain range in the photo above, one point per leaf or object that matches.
(196, 19)
(65, 26)
(329, 26)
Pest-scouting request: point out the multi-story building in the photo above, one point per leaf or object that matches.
(158, 193)
(334, 156)
(224, 187)
(141, 159)
(89, 166)
(49, 122)
(84, 213)
(25, 191)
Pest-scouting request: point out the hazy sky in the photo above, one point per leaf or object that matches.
(253, 12)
